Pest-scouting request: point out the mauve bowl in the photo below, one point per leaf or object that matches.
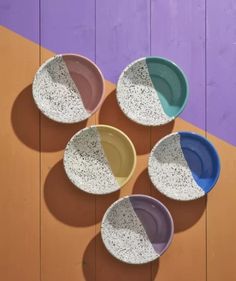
(137, 229)
(68, 88)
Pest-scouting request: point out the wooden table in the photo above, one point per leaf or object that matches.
(49, 229)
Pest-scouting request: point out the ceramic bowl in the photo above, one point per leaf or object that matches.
(152, 91)
(99, 159)
(68, 88)
(184, 166)
(137, 229)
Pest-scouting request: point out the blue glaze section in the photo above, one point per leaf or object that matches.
(170, 84)
(202, 159)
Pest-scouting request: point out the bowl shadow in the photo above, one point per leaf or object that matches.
(99, 264)
(111, 114)
(69, 204)
(184, 213)
(27, 121)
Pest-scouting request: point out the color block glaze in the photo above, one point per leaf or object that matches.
(86, 164)
(169, 170)
(124, 235)
(56, 94)
(137, 96)
(152, 91)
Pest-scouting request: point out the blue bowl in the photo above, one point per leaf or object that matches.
(184, 166)
(202, 158)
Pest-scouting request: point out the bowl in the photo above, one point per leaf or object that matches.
(68, 88)
(99, 159)
(184, 166)
(137, 229)
(152, 91)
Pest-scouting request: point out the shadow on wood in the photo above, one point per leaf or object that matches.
(25, 122)
(68, 203)
(185, 214)
(111, 114)
(109, 268)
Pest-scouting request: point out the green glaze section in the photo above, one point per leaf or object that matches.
(170, 84)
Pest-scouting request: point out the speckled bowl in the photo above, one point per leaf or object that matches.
(184, 166)
(68, 88)
(137, 229)
(99, 159)
(152, 91)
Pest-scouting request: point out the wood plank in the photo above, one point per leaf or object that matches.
(122, 35)
(221, 68)
(178, 33)
(19, 163)
(221, 116)
(187, 254)
(68, 214)
(221, 222)
(69, 26)
(107, 267)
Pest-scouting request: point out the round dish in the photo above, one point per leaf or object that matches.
(137, 229)
(184, 166)
(68, 88)
(152, 91)
(99, 159)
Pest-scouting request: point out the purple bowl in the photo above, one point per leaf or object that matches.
(137, 229)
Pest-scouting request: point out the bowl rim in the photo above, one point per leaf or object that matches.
(111, 128)
(76, 56)
(169, 62)
(207, 142)
(145, 197)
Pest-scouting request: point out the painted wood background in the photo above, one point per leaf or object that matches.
(50, 229)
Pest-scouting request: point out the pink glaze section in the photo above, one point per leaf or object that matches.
(88, 80)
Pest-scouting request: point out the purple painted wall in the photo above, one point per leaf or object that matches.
(113, 33)
(21, 16)
(178, 33)
(221, 69)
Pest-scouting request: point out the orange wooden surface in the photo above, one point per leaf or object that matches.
(50, 228)
(19, 161)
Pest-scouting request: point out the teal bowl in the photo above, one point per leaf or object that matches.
(152, 91)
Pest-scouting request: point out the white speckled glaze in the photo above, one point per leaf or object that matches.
(86, 164)
(137, 96)
(169, 171)
(56, 94)
(124, 235)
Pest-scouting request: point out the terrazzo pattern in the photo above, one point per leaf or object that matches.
(170, 172)
(86, 164)
(137, 96)
(124, 235)
(56, 94)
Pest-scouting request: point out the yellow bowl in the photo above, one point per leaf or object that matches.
(100, 159)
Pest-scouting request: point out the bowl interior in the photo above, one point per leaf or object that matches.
(202, 159)
(137, 229)
(87, 79)
(170, 84)
(156, 221)
(119, 152)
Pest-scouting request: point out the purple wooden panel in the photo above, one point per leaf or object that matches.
(221, 69)
(69, 26)
(178, 33)
(21, 16)
(122, 34)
